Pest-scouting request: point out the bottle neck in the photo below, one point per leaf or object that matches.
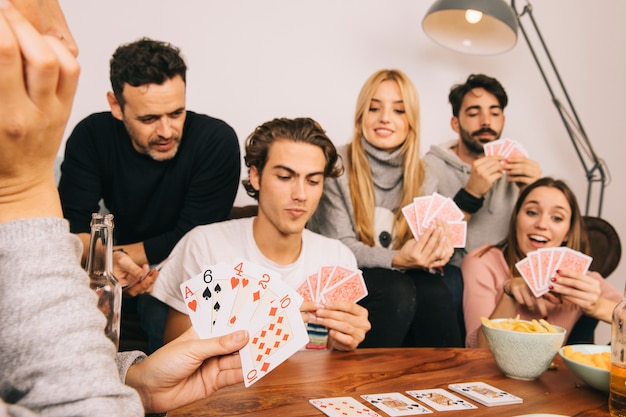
(100, 254)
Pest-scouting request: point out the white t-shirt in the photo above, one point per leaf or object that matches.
(233, 240)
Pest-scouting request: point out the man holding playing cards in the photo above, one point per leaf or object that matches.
(288, 160)
(484, 186)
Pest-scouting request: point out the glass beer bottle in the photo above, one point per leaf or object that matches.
(100, 271)
(617, 396)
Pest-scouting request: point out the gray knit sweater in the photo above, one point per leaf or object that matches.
(54, 357)
(335, 215)
(490, 223)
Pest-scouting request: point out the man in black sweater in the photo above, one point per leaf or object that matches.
(160, 169)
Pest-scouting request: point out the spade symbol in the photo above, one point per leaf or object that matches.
(207, 293)
(216, 307)
(218, 289)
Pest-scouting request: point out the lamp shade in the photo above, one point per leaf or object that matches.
(481, 27)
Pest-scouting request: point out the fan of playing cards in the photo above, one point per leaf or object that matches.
(243, 295)
(333, 283)
(424, 210)
(507, 148)
(539, 266)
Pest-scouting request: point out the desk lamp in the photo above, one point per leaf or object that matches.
(487, 27)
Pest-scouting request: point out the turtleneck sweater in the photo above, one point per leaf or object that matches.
(335, 214)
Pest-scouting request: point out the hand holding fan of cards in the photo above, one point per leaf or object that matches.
(541, 265)
(507, 148)
(243, 295)
(421, 214)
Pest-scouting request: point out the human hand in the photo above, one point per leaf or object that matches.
(522, 171)
(187, 369)
(524, 296)
(485, 171)
(433, 249)
(133, 278)
(584, 291)
(38, 79)
(346, 322)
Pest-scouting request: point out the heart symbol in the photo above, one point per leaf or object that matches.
(192, 305)
(245, 282)
(234, 281)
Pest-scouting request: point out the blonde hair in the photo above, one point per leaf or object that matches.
(361, 182)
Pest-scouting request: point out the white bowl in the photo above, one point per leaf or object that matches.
(522, 355)
(593, 376)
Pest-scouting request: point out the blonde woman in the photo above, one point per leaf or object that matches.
(408, 305)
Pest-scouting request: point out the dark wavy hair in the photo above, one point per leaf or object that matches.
(142, 62)
(301, 129)
(493, 86)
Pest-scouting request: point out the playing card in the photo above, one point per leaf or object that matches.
(338, 274)
(441, 400)
(396, 404)
(485, 394)
(525, 269)
(202, 294)
(322, 277)
(421, 208)
(516, 151)
(504, 146)
(448, 211)
(305, 288)
(545, 256)
(533, 258)
(436, 201)
(351, 289)
(343, 407)
(249, 283)
(458, 230)
(275, 335)
(574, 261)
(411, 218)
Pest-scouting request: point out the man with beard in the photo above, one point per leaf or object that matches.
(484, 187)
(160, 169)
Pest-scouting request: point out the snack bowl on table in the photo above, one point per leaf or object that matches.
(522, 355)
(598, 378)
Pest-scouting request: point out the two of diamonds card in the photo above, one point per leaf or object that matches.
(507, 148)
(421, 214)
(243, 295)
(539, 266)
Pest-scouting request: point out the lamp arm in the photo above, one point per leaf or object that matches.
(595, 168)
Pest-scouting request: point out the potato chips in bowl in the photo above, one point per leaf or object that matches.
(523, 349)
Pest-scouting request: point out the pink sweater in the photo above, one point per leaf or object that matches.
(483, 280)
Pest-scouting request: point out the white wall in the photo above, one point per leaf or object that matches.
(250, 61)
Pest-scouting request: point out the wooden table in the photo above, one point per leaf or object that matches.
(319, 374)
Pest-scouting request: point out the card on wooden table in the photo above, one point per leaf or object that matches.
(343, 407)
(441, 400)
(485, 394)
(396, 404)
